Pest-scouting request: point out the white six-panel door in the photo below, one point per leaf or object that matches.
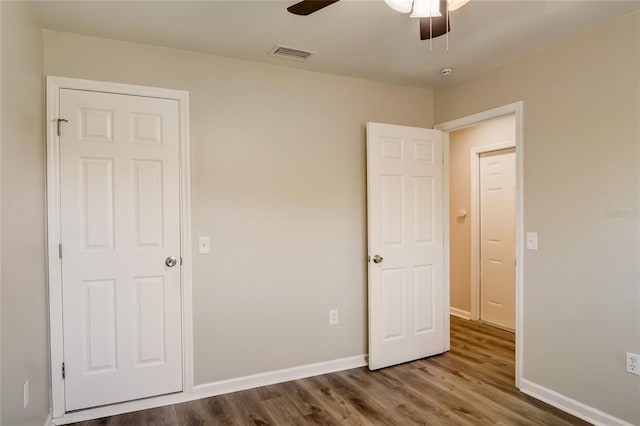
(405, 230)
(119, 180)
(498, 238)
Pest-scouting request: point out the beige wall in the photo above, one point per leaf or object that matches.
(461, 142)
(24, 302)
(581, 170)
(278, 183)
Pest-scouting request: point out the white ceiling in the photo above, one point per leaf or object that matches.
(356, 38)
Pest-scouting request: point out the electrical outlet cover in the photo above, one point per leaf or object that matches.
(633, 363)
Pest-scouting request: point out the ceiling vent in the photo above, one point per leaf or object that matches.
(290, 53)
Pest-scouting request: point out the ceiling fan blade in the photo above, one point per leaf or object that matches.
(436, 26)
(307, 7)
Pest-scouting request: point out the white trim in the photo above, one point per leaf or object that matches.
(446, 264)
(475, 220)
(48, 421)
(518, 109)
(53, 263)
(279, 376)
(123, 408)
(54, 85)
(570, 405)
(460, 313)
(473, 119)
(218, 388)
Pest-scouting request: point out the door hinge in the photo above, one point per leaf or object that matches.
(60, 250)
(64, 373)
(58, 121)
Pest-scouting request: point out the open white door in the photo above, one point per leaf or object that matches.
(406, 234)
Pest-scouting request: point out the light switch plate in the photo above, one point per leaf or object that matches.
(532, 240)
(333, 316)
(25, 390)
(204, 245)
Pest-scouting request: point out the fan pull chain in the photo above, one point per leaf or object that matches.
(430, 32)
(446, 7)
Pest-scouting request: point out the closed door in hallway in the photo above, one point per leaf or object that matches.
(497, 238)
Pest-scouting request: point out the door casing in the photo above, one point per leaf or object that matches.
(54, 265)
(516, 108)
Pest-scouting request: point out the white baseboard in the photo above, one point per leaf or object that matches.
(215, 388)
(570, 405)
(279, 376)
(47, 421)
(459, 313)
(124, 407)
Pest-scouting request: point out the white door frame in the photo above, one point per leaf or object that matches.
(475, 220)
(516, 108)
(54, 264)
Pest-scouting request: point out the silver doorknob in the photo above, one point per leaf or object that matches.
(171, 261)
(377, 259)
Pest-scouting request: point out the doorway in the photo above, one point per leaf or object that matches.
(464, 266)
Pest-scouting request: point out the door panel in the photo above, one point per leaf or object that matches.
(119, 162)
(151, 320)
(100, 323)
(97, 203)
(148, 202)
(497, 238)
(392, 204)
(423, 206)
(406, 298)
(423, 298)
(392, 304)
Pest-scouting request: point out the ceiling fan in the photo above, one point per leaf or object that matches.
(433, 14)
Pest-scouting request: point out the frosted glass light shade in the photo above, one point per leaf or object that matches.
(426, 9)
(402, 6)
(456, 4)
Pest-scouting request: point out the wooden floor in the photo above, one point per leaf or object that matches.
(473, 384)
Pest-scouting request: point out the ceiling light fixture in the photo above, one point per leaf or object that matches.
(401, 6)
(423, 8)
(426, 9)
(456, 4)
(433, 15)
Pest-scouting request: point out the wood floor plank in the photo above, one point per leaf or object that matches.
(362, 402)
(194, 413)
(219, 410)
(472, 384)
(283, 411)
(248, 408)
(469, 393)
(305, 402)
(431, 409)
(332, 402)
